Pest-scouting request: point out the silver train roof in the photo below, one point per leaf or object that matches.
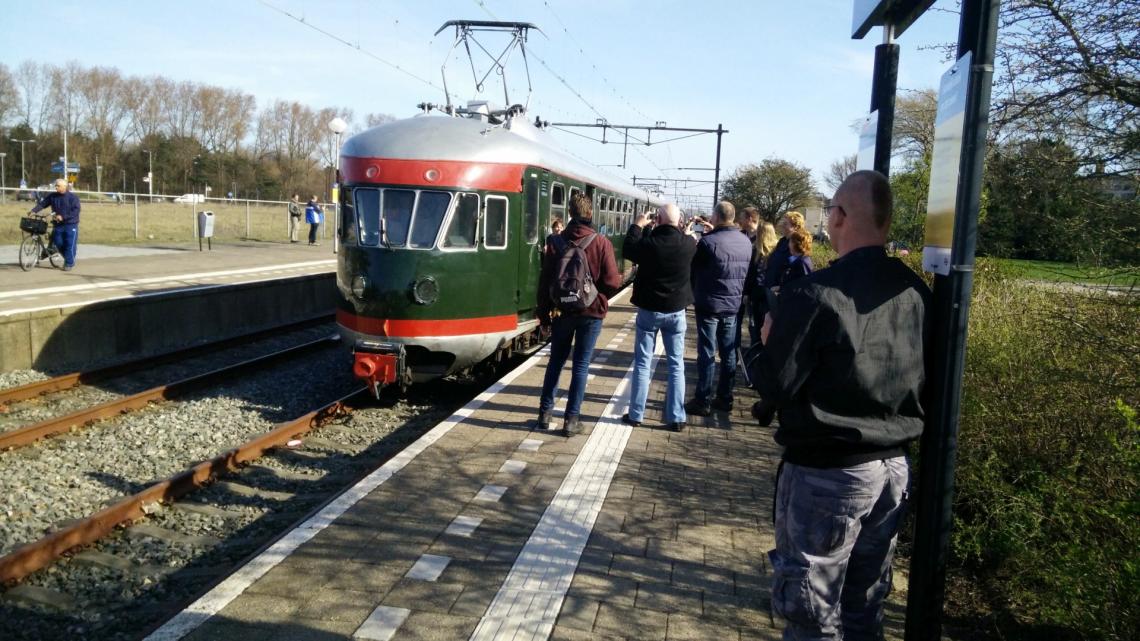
(442, 137)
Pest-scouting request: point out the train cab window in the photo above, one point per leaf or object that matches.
(396, 215)
(430, 210)
(557, 195)
(495, 223)
(574, 191)
(368, 215)
(464, 222)
(530, 222)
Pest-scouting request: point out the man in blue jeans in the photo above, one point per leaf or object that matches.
(661, 292)
(578, 330)
(844, 364)
(65, 220)
(720, 267)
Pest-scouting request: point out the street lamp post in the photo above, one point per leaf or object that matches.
(98, 175)
(149, 175)
(23, 172)
(3, 180)
(337, 126)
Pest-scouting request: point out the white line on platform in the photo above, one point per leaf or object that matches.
(531, 445)
(428, 567)
(382, 624)
(513, 467)
(463, 525)
(530, 598)
(156, 279)
(491, 493)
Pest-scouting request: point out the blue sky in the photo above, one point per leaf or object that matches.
(784, 78)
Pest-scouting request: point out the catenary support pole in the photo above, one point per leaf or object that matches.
(950, 311)
(716, 176)
(883, 88)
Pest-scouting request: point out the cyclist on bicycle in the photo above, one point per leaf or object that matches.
(65, 219)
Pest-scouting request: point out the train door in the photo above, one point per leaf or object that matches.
(530, 247)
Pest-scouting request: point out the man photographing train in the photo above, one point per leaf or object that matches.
(65, 220)
(843, 363)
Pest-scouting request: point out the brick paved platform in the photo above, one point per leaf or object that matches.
(485, 529)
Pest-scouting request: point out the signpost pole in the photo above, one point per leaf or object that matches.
(883, 86)
(716, 176)
(951, 306)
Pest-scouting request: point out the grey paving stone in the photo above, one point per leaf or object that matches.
(472, 572)
(474, 599)
(261, 608)
(313, 630)
(366, 577)
(667, 550)
(423, 596)
(641, 568)
(578, 612)
(684, 627)
(562, 633)
(218, 629)
(668, 598)
(603, 587)
(632, 623)
(618, 542)
(702, 577)
(339, 605)
(431, 626)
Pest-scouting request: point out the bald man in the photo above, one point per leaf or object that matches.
(65, 220)
(844, 366)
(661, 291)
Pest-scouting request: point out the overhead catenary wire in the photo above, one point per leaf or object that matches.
(355, 46)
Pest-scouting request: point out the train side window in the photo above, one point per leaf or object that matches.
(574, 191)
(464, 222)
(396, 208)
(495, 223)
(368, 215)
(557, 195)
(530, 223)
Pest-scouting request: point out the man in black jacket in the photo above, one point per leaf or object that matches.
(843, 362)
(661, 291)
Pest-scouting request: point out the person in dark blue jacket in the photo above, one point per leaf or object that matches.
(65, 220)
(720, 268)
(314, 215)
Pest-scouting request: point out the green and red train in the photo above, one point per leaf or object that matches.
(443, 222)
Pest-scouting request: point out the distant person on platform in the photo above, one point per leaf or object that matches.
(314, 215)
(579, 329)
(843, 363)
(295, 213)
(661, 291)
(718, 273)
(65, 221)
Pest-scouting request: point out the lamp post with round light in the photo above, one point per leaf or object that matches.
(337, 126)
(3, 180)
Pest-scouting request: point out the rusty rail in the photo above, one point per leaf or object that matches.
(30, 433)
(38, 554)
(67, 381)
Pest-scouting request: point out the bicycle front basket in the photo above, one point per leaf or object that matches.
(33, 225)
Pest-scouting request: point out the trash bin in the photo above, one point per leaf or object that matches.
(205, 229)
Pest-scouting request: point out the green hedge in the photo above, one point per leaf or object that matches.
(1047, 514)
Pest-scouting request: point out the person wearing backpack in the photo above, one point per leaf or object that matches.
(579, 274)
(661, 292)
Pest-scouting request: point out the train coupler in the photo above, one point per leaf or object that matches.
(379, 364)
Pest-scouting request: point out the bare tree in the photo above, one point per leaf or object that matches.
(914, 124)
(9, 95)
(375, 120)
(1070, 69)
(840, 170)
(65, 99)
(145, 102)
(34, 84)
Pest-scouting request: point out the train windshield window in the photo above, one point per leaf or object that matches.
(397, 208)
(430, 210)
(531, 220)
(558, 195)
(495, 230)
(464, 222)
(368, 213)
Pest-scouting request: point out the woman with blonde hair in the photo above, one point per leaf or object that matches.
(762, 249)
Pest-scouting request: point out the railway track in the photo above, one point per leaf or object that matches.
(115, 582)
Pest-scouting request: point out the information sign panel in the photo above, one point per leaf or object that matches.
(867, 136)
(945, 167)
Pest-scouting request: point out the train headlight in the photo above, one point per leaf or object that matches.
(359, 286)
(425, 291)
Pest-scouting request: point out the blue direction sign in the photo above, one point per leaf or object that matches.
(72, 168)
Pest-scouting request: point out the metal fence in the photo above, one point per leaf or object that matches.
(115, 217)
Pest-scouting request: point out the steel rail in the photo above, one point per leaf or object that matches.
(67, 381)
(30, 433)
(38, 554)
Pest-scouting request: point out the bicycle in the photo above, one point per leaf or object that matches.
(37, 244)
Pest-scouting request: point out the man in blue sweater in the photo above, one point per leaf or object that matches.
(719, 270)
(65, 218)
